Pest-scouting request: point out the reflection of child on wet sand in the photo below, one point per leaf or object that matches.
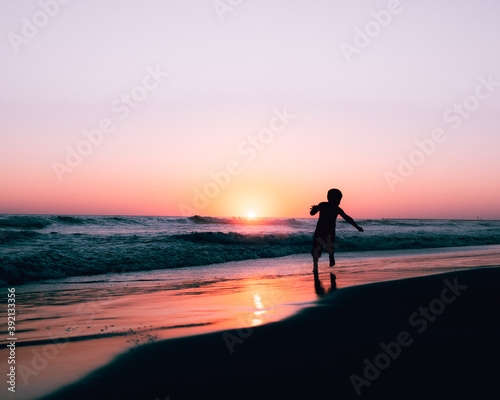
(318, 287)
(324, 235)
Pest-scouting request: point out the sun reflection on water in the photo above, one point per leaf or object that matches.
(259, 312)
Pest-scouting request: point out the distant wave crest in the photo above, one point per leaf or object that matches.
(40, 222)
(122, 220)
(196, 219)
(73, 220)
(24, 222)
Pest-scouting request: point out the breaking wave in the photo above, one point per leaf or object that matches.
(62, 255)
(45, 247)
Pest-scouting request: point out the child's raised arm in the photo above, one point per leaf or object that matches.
(314, 209)
(349, 219)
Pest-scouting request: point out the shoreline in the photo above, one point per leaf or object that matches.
(318, 351)
(346, 258)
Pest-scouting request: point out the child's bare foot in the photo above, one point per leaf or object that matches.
(332, 260)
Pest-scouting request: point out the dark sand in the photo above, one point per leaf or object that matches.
(314, 354)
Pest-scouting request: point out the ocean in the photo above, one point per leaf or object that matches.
(38, 247)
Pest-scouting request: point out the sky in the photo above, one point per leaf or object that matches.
(221, 108)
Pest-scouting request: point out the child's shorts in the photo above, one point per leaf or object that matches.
(323, 241)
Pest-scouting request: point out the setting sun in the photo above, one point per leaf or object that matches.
(251, 214)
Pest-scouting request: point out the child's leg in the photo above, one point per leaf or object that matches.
(316, 252)
(330, 248)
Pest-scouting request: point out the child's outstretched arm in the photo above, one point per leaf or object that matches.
(350, 220)
(314, 209)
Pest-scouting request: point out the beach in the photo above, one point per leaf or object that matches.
(317, 352)
(225, 330)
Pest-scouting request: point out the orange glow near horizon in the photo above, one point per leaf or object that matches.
(100, 187)
(248, 202)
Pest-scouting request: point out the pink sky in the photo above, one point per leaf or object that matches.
(257, 108)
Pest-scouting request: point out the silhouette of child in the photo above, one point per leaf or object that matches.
(324, 235)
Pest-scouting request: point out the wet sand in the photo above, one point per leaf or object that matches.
(71, 327)
(374, 340)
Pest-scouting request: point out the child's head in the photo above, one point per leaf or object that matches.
(334, 196)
